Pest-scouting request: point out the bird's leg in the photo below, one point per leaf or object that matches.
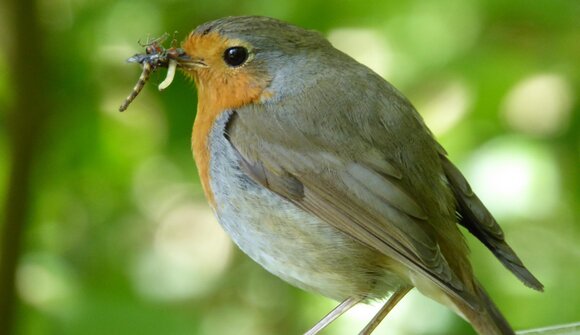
(387, 307)
(335, 313)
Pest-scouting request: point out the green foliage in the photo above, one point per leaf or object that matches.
(121, 241)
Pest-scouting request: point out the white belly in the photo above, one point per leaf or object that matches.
(287, 241)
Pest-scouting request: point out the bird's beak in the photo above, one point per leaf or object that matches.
(189, 62)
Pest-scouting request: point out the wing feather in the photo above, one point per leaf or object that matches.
(360, 202)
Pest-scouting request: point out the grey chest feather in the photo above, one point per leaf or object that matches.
(287, 241)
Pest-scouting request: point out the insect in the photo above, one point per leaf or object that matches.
(155, 56)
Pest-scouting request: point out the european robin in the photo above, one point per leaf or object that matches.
(325, 174)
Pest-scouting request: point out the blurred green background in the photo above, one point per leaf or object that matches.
(116, 237)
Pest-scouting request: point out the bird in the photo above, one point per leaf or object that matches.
(325, 174)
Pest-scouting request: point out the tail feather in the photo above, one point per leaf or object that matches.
(479, 221)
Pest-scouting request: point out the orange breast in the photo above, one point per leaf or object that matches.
(219, 88)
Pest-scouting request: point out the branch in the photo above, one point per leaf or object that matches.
(569, 329)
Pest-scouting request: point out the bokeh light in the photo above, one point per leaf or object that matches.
(540, 105)
(511, 173)
(188, 255)
(119, 239)
(47, 283)
(366, 46)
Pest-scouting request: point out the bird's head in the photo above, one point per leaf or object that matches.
(239, 60)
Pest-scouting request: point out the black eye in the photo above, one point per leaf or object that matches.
(235, 56)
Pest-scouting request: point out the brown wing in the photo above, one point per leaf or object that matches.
(364, 199)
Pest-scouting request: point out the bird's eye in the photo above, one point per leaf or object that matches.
(235, 56)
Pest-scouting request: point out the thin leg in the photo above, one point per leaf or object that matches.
(393, 300)
(335, 313)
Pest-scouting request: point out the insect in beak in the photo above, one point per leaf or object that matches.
(156, 56)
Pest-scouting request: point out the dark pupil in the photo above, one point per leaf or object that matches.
(236, 56)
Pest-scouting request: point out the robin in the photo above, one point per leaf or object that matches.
(325, 174)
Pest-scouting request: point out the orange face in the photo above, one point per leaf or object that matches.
(221, 86)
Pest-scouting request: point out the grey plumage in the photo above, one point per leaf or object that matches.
(333, 182)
